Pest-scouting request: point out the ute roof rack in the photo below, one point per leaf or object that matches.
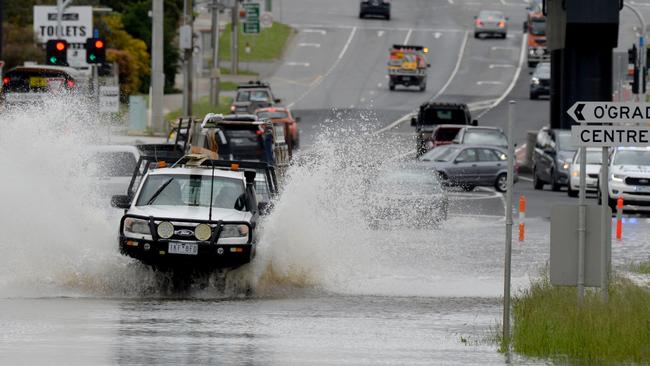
(253, 84)
(211, 120)
(443, 104)
(408, 47)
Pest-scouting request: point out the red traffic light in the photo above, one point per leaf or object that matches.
(60, 46)
(99, 43)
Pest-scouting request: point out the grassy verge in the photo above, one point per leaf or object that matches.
(226, 71)
(268, 45)
(201, 107)
(228, 85)
(548, 323)
(640, 267)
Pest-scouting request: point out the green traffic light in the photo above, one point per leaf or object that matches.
(53, 60)
(92, 57)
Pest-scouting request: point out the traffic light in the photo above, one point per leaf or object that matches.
(56, 52)
(95, 50)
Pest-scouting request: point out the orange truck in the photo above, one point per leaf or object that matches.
(535, 26)
(407, 66)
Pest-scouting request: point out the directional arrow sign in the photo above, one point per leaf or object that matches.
(610, 112)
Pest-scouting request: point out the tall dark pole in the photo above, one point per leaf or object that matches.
(1, 23)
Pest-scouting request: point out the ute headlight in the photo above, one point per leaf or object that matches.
(531, 51)
(566, 165)
(535, 81)
(234, 231)
(165, 230)
(203, 232)
(618, 177)
(136, 226)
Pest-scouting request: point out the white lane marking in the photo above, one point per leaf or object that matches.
(374, 27)
(407, 116)
(294, 63)
(379, 85)
(317, 82)
(639, 4)
(437, 35)
(347, 43)
(474, 106)
(320, 31)
(362, 100)
(451, 2)
(317, 45)
(501, 66)
(489, 82)
(522, 55)
(408, 36)
(503, 2)
(472, 3)
(526, 179)
(351, 106)
(372, 92)
(504, 48)
(380, 33)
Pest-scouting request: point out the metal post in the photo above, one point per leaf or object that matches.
(187, 74)
(508, 251)
(640, 58)
(606, 224)
(234, 39)
(582, 225)
(215, 73)
(157, 75)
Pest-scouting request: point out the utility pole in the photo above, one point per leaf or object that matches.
(157, 76)
(1, 21)
(215, 74)
(641, 56)
(234, 49)
(187, 75)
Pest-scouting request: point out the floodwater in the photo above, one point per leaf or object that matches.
(328, 290)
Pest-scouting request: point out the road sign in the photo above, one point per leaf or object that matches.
(76, 27)
(251, 24)
(266, 19)
(605, 136)
(109, 99)
(610, 112)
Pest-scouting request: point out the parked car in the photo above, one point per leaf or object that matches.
(442, 135)
(594, 161)
(490, 23)
(113, 167)
(552, 157)
(540, 82)
(468, 166)
(484, 135)
(374, 7)
(432, 114)
(284, 116)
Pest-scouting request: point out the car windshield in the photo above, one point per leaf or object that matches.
(190, 190)
(259, 96)
(433, 116)
(593, 157)
(485, 137)
(491, 15)
(441, 154)
(538, 27)
(564, 141)
(271, 115)
(446, 134)
(632, 157)
(543, 70)
(416, 181)
(112, 164)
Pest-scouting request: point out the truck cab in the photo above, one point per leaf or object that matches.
(407, 66)
(535, 26)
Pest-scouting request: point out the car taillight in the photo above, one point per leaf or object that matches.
(6, 80)
(70, 84)
(479, 23)
(502, 24)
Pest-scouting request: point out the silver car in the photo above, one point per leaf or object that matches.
(490, 23)
(468, 166)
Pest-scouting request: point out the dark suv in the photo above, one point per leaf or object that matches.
(430, 115)
(552, 158)
(540, 82)
(252, 96)
(374, 7)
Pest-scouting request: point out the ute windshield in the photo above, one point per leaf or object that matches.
(191, 190)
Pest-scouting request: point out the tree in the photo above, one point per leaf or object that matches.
(19, 46)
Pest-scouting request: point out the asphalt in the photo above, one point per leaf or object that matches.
(335, 71)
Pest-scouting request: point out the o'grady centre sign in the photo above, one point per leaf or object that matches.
(603, 124)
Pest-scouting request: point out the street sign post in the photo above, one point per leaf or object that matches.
(109, 99)
(251, 24)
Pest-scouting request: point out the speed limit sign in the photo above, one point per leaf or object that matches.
(266, 20)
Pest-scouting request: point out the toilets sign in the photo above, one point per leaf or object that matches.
(76, 24)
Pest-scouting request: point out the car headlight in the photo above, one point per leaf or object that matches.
(575, 173)
(566, 165)
(618, 177)
(136, 226)
(165, 230)
(531, 51)
(234, 231)
(203, 232)
(535, 81)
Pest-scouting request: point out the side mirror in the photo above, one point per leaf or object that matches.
(414, 121)
(277, 100)
(475, 122)
(250, 176)
(121, 201)
(459, 160)
(428, 65)
(297, 119)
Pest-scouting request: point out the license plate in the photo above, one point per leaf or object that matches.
(35, 82)
(644, 189)
(182, 248)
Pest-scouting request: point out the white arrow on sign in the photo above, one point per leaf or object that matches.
(610, 112)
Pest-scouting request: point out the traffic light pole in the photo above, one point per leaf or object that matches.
(641, 56)
(234, 39)
(215, 74)
(187, 75)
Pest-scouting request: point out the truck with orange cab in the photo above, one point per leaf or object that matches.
(535, 26)
(407, 66)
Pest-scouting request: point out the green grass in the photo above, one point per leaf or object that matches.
(228, 85)
(201, 107)
(268, 45)
(226, 71)
(640, 267)
(548, 323)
